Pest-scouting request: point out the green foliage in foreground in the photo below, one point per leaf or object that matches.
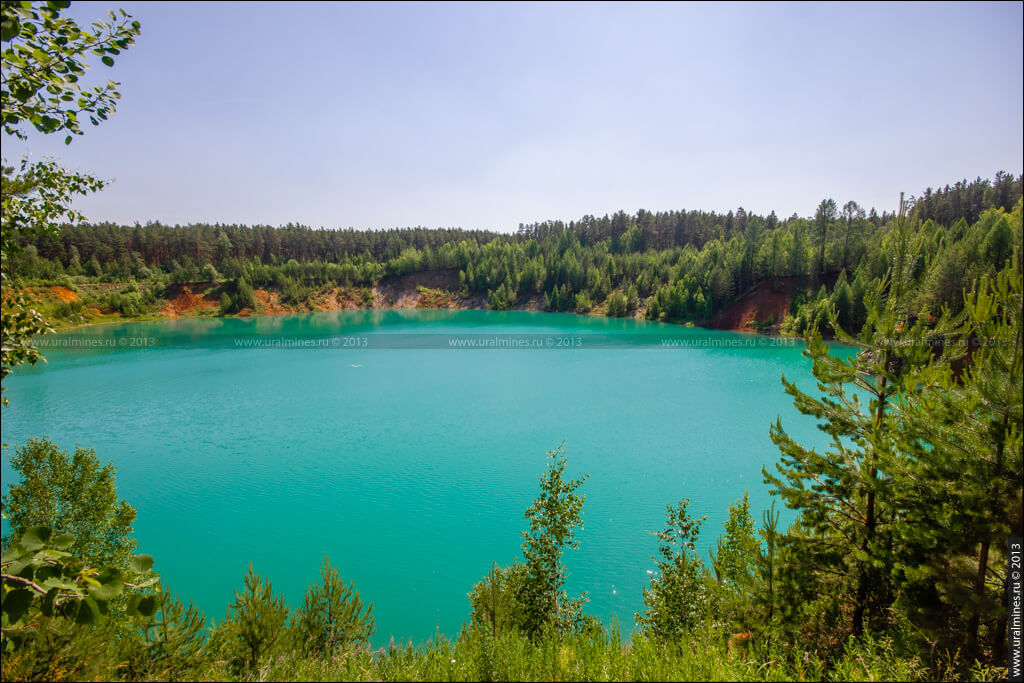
(52, 601)
(255, 626)
(676, 599)
(554, 517)
(67, 628)
(73, 493)
(43, 56)
(62, 632)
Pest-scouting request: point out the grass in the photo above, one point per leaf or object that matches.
(475, 656)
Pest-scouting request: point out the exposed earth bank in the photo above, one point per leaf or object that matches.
(760, 309)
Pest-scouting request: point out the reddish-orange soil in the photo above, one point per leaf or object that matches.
(763, 305)
(187, 302)
(270, 302)
(64, 294)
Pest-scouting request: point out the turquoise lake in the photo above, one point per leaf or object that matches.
(410, 461)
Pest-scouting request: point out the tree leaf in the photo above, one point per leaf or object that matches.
(88, 611)
(9, 28)
(139, 605)
(65, 540)
(111, 584)
(141, 563)
(16, 602)
(36, 537)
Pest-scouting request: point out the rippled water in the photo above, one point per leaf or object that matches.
(410, 467)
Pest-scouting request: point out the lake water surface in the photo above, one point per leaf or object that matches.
(409, 461)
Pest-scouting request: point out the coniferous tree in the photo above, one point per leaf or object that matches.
(244, 297)
(169, 644)
(332, 616)
(226, 305)
(255, 626)
(93, 268)
(825, 214)
(853, 211)
(494, 601)
(842, 300)
(844, 496)
(767, 569)
(961, 474)
(617, 306)
(734, 564)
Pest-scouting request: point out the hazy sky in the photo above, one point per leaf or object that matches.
(488, 115)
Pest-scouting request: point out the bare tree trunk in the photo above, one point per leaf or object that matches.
(979, 590)
(864, 576)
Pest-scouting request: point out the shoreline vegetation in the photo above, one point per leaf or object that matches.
(197, 306)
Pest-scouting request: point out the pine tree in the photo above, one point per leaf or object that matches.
(617, 305)
(734, 564)
(255, 625)
(494, 601)
(825, 214)
(332, 616)
(852, 210)
(170, 644)
(842, 299)
(845, 498)
(767, 568)
(962, 476)
(245, 297)
(93, 268)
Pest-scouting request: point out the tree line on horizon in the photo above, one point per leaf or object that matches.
(677, 266)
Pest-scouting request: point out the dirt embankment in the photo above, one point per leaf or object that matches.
(426, 289)
(64, 294)
(181, 300)
(761, 308)
(270, 302)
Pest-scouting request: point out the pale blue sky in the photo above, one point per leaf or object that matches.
(488, 115)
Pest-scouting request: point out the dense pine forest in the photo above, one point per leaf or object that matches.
(671, 266)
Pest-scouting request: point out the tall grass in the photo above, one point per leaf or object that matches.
(603, 656)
